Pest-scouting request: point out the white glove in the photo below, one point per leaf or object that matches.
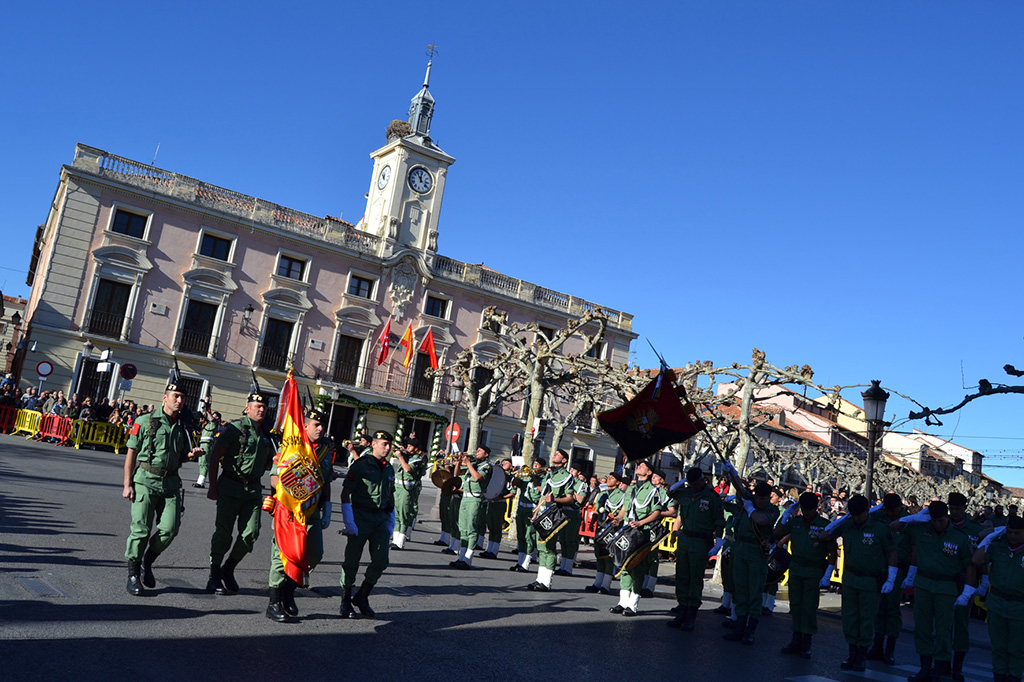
(349, 518)
(826, 579)
(987, 540)
(909, 580)
(325, 518)
(718, 545)
(877, 507)
(788, 514)
(982, 587)
(391, 522)
(830, 528)
(920, 517)
(890, 582)
(677, 485)
(748, 505)
(965, 596)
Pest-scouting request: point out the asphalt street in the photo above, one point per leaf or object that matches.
(65, 614)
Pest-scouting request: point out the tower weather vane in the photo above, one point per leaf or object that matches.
(431, 51)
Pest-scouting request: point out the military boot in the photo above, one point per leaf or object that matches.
(748, 631)
(794, 645)
(361, 600)
(346, 604)
(215, 585)
(925, 673)
(276, 610)
(134, 581)
(228, 576)
(851, 658)
(691, 619)
(957, 672)
(875, 652)
(889, 653)
(805, 647)
(677, 622)
(288, 597)
(737, 631)
(147, 568)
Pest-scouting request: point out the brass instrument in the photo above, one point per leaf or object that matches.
(441, 477)
(526, 472)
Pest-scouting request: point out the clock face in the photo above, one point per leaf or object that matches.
(420, 180)
(385, 175)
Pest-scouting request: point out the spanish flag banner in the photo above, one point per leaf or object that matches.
(407, 341)
(299, 484)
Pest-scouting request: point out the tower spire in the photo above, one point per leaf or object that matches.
(421, 110)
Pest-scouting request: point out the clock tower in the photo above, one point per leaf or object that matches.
(409, 172)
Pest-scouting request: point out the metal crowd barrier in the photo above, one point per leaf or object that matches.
(63, 430)
(8, 415)
(27, 422)
(55, 427)
(99, 433)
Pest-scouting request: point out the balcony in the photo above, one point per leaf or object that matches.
(194, 342)
(109, 325)
(273, 360)
(390, 378)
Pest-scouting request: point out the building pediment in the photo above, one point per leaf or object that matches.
(123, 256)
(287, 298)
(207, 278)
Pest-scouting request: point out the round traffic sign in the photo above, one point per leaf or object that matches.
(129, 371)
(452, 432)
(44, 368)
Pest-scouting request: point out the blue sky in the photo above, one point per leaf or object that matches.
(838, 184)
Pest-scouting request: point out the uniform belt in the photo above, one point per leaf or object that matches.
(241, 478)
(474, 494)
(751, 541)
(936, 576)
(693, 534)
(527, 505)
(158, 471)
(409, 484)
(1003, 594)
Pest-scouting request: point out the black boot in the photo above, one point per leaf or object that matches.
(737, 631)
(288, 597)
(134, 581)
(957, 673)
(794, 645)
(862, 659)
(361, 600)
(748, 631)
(875, 652)
(276, 609)
(680, 618)
(851, 658)
(691, 619)
(889, 653)
(147, 568)
(925, 673)
(346, 604)
(227, 574)
(215, 585)
(805, 647)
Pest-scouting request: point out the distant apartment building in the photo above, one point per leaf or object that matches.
(153, 265)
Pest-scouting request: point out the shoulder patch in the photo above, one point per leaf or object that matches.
(135, 429)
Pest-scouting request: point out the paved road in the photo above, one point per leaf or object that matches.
(64, 613)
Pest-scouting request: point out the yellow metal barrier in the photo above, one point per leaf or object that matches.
(670, 542)
(27, 422)
(98, 433)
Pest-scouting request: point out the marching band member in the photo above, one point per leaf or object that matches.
(526, 534)
(496, 513)
(607, 504)
(478, 472)
(412, 465)
(561, 488)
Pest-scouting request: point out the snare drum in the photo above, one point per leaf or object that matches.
(603, 539)
(549, 522)
(633, 544)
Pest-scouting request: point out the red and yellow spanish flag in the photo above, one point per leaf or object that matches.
(407, 341)
(299, 484)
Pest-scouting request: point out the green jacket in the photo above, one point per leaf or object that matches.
(1006, 580)
(162, 446)
(247, 454)
(940, 557)
(866, 553)
(371, 485)
(808, 548)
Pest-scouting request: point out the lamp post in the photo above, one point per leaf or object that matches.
(874, 414)
(86, 354)
(454, 397)
(247, 315)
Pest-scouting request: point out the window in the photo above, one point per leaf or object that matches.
(93, 384)
(346, 360)
(192, 387)
(547, 332)
(490, 325)
(276, 344)
(421, 386)
(481, 377)
(108, 309)
(360, 286)
(131, 224)
(215, 247)
(198, 328)
(418, 430)
(292, 268)
(597, 352)
(436, 307)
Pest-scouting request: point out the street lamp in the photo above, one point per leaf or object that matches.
(247, 314)
(454, 397)
(86, 354)
(874, 414)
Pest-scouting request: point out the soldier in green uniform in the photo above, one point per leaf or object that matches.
(157, 446)
(641, 508)
(412, 465)
(368, 507)
(1002, 552)
(241, 454)
(454, 508)
(940, 555)
(755, 517)
(962, 614)
(282, 607)
(700, 519)
(206, 439)
(724, 552)
(561, 488)
(814, 560)
(889, 621)
(651, 579)
(606, 506)
(526, 534)
(443, 509)
(471, 511)
(496, 509)
(569, 536)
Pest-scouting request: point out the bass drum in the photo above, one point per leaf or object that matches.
(549, 522)
(778, 564)
(604, 538)
(634, 544)
(496, 484)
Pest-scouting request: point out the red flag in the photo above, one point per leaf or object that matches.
(653, 420)
(427, 346)
(385, 343)
(408, 343)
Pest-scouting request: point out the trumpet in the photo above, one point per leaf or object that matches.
(527, 472)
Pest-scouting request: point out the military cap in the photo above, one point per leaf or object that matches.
(762, 488)
(694, 474)
(938, 510)
(858, 504)
(956, 499)
(382, 435)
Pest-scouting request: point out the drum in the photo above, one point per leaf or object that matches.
(633, 545)
(603, 539)
(496, 484)
(778, 564)
(549, 522)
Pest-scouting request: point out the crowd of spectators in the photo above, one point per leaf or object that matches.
(112, 411)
